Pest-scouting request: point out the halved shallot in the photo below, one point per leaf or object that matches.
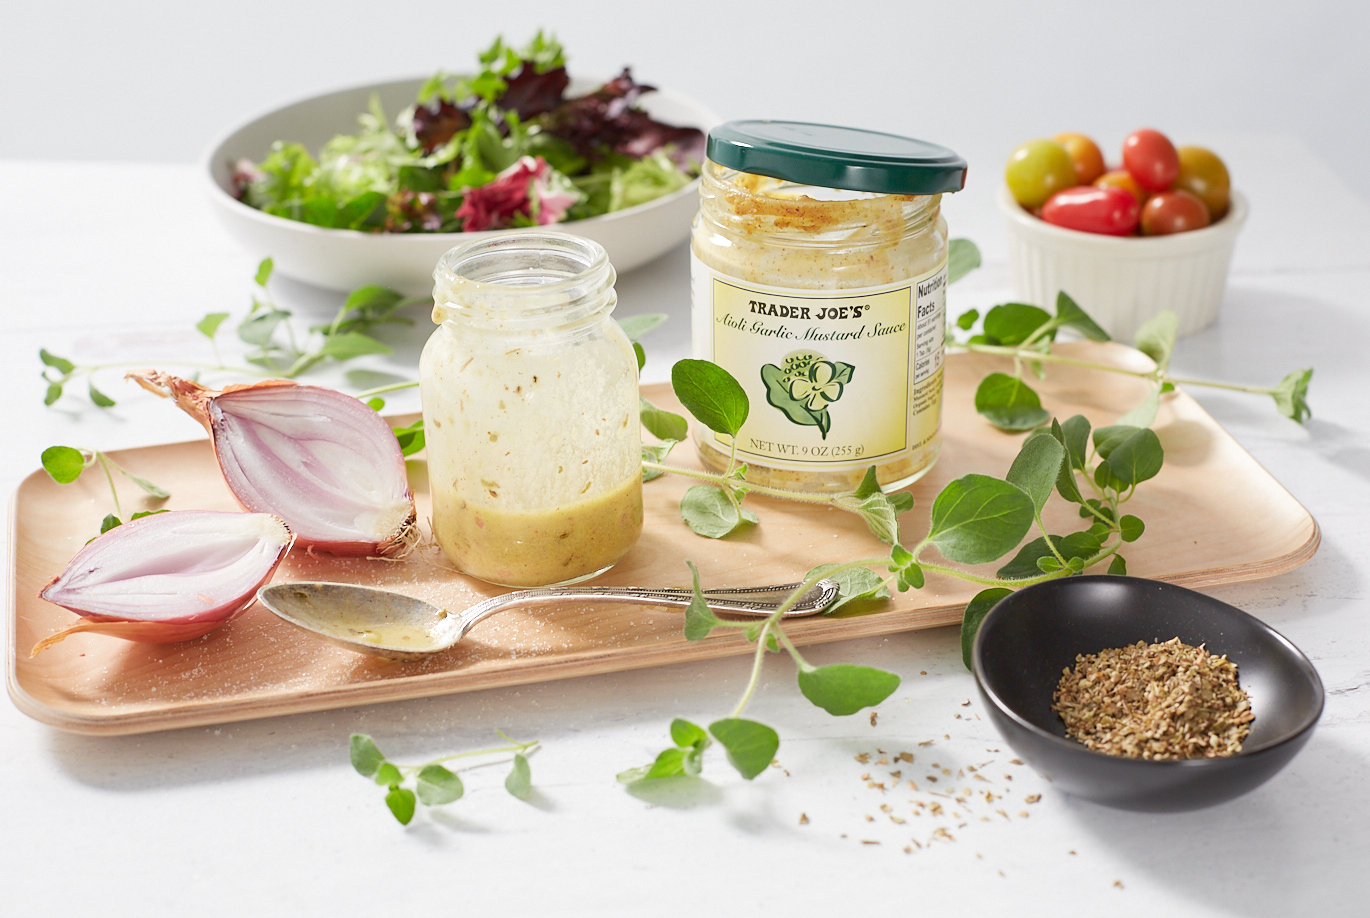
(170, 576)
(320, 459)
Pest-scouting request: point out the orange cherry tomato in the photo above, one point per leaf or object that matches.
(1151, 158)
(1121, 178)
(1093, 209)
(1173, 212)
(1088, 158)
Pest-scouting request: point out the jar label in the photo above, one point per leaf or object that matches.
(836, 378)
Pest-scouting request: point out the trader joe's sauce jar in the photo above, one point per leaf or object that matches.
(819, 272)
(530, 410)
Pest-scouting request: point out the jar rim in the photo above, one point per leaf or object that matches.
(524, 278)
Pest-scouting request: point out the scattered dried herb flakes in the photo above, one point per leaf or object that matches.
(1165, 700)
(945, 804)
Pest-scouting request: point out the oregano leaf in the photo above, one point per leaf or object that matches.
(962, 257)
(209, 325)
(699, 618)
(519, 781)
(1037, 467)
(637, 326)
(400, 801)
(709, 513)
(1070, 315)
(98, 398)
(264, 268)
(1010, 324)
(854, 584)
(976, 519)
(388, 774)
(64, 463)
(1291, 395)
(711, 394)
(662, 424)
(751, 746)
(1156, 337)
(60, 364)
(1009, 403)
(975, 613)
(437, 785)
(365, 755)
(845, 688)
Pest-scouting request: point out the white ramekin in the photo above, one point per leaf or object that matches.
(1123, 281)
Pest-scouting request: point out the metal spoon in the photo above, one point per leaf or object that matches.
(395, 626)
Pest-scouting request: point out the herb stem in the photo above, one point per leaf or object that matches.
(1020, 353)
(758, 657)
(109, 479)
(514, 746)
(1157, 375)
(381, 390)
(722, 481)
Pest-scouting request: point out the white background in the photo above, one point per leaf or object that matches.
(264, 817)
(149, 80)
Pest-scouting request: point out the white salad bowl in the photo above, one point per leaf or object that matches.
(346, 259)
(1123, 281)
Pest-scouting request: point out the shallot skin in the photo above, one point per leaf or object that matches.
(169, 577)
(321, 460)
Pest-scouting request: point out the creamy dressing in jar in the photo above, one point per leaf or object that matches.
(818, 280)
(530, 405)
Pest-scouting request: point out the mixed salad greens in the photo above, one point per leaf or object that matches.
(503, 148)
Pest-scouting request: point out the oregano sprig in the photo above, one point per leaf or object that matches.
(1024, 334)
(65, 464)
(433, 783)
(273, 346)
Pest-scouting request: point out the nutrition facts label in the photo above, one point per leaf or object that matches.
(929, 326)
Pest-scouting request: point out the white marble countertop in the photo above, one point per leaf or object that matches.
(267, 817)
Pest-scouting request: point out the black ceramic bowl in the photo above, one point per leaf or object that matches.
(1031, 636)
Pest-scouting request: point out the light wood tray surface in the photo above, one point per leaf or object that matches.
(1213, 516)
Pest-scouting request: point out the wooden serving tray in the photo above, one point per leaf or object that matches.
(1213, 516)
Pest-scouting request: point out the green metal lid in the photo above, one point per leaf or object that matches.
(836, 157)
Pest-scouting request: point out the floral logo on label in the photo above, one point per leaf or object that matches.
(805, 386)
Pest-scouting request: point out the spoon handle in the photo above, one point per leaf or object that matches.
(758, 601)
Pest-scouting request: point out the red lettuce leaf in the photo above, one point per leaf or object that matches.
(607, 120)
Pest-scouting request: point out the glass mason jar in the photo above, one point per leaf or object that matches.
(818, 280)
(530, 410)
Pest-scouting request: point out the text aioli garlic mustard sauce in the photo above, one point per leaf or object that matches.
(530, 407)
(818, 279)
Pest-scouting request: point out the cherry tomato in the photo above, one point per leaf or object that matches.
(1037, 170)
(1205, 174)
(1151, 158)
(1088, 158)
(1121, 178)
(1089, 209)
(1173, 212)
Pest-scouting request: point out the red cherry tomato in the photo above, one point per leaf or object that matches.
(1092, 209)
(1173, 212)
(1151, 158)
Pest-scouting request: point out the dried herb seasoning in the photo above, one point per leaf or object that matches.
(1164, 700)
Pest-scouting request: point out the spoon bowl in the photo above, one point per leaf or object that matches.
(396, 626)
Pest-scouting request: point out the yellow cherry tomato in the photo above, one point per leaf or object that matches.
(1204, 174)
(1036, 170)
